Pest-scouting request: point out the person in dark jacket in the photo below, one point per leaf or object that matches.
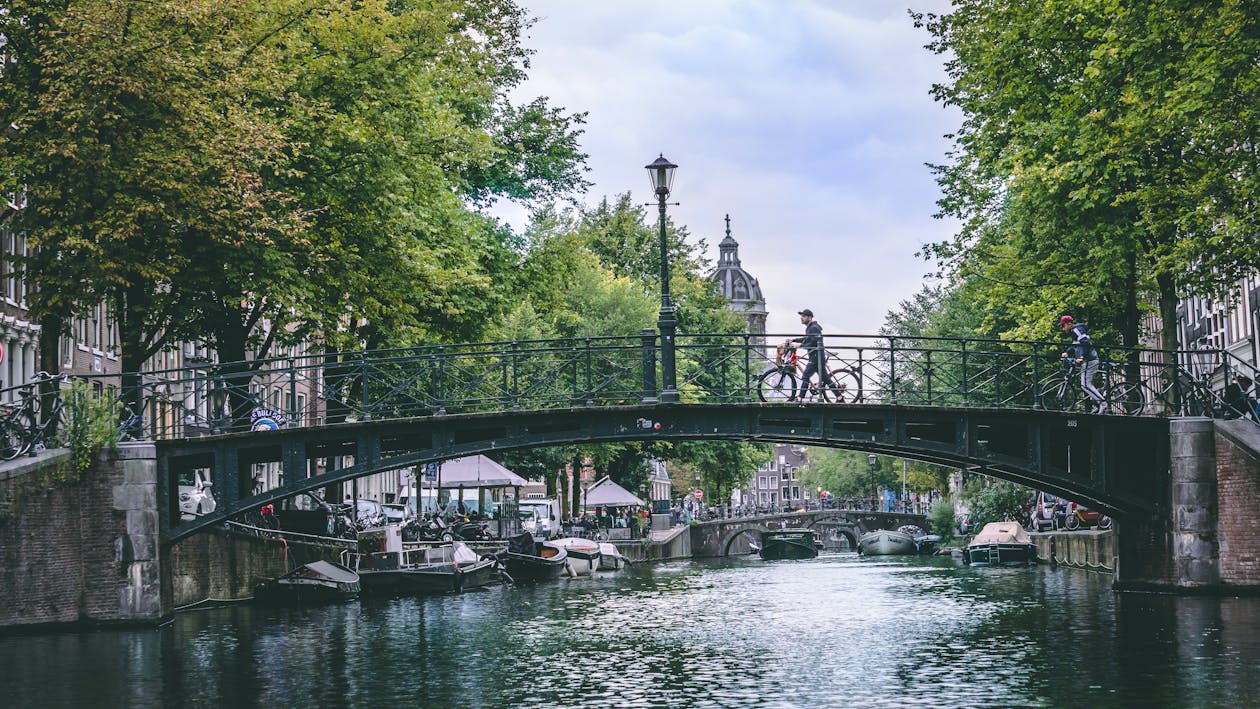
(1083, 353)
(1238, 404)
(812, 343)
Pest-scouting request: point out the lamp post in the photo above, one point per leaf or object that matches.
(661, 171)
(873, 461)
(904, 464)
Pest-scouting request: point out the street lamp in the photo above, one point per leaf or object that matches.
(661, 171)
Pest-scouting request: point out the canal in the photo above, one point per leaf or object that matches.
(833, 631)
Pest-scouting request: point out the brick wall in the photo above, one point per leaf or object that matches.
(80, 548)
(1238, 491)
(86, 550)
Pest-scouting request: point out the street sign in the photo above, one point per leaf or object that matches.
(699, 494)
(430, 471)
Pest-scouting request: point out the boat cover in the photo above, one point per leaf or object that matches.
(1001, 533)
(324, 570)
(523, 543)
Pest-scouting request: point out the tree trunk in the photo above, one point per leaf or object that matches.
(576, 487)
(1168, 335)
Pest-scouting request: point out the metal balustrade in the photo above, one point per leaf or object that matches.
(326, 388)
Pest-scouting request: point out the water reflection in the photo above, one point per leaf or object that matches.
(829, 631)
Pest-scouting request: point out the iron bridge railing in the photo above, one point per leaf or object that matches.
(286, 392)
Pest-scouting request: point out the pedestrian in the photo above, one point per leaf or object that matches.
(812, 343)
(1082, 352)
(1237, 402)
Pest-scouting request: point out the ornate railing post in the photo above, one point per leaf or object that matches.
(590, 394)
(647, 341)
(439, 391)
(892, 371)
(748, 378)
(366, 385)
(1036, 382)
(966, 383)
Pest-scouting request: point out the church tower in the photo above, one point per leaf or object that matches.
(742, 292)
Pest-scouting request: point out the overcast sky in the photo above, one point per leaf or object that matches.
(808, 122)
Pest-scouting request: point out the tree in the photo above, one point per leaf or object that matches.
(1107, 156)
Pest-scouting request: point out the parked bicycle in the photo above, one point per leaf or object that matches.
(779, 383)
(21, 429)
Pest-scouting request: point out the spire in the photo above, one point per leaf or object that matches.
(728, 250)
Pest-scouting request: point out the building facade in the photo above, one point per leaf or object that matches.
(777, 483)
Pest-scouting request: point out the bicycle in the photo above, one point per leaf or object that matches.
(21, 431)
(38, 433)
(130, 425)
(1064, 393)
(779, 382)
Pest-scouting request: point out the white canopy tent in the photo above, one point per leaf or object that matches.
(607, 493)
(476, 471)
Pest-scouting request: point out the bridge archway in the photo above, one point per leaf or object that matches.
(842, 525)
(724, 546)
(1119, 465)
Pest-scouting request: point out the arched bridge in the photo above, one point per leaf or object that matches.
(1006, 409)
(717, 537)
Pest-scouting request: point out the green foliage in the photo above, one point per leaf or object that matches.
(847, 473)
(1105, 161)
(91, 423)
(941, 521)
(992, 500)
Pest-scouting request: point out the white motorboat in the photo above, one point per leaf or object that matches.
(886, 542)
(583, 554)
(610, 558)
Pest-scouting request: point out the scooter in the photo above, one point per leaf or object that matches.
(429, 529)
(468, 530)
(1085, 517)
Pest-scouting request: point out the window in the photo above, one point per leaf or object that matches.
(796, 492)
(761, 482)
(787, 494)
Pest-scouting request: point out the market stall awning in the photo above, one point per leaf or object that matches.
(607, 493)
(476, 471)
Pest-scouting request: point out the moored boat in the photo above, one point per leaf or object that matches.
(527, 559)
(884, 542)
(583, 554)
(610, 558)
(443, 568)
(788, 544)
(1000, 543)
(316, 582)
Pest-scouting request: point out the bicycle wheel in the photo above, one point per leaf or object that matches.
(844, 387)
(1063, 396)
(1128, 398)
(12, 440)
(775, 385)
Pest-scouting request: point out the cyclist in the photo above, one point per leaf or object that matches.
(1083, 353)
(812, 343)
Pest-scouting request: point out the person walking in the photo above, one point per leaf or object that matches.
(812, 342)
(1083, 353)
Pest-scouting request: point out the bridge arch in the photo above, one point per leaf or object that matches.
(724, 546)
(1117, 464)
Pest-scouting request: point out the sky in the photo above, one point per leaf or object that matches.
(809, 122)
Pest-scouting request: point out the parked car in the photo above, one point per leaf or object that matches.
(306, 513)
(967, 523)
(195, 498)
(1047, 514)
(1080, 516)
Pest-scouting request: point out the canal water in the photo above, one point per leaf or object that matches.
(834, 631)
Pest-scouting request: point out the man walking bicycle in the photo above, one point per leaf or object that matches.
(1083, 353)
(812, 343)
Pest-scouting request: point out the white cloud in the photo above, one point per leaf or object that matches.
(808, 122)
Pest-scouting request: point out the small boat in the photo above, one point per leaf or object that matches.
(610, 558)
(788, 544)
(527, 559)
(444, 568)
(1000, 543)
(926, 543)
(583, 554)
(885, 542)
(316, 582)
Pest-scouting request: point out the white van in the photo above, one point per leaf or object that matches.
(540, 517)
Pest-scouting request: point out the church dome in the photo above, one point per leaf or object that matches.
(733, 282)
